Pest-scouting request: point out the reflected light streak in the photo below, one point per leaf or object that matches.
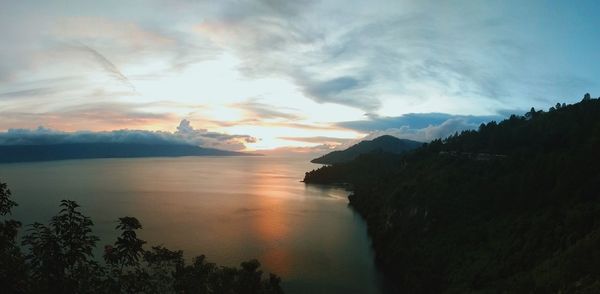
(272, 226)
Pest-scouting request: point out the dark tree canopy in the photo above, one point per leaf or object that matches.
(510, 208)
(58, 258)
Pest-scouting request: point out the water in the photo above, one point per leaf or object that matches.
(229, 208)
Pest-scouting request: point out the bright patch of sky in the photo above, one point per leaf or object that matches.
(275, 70)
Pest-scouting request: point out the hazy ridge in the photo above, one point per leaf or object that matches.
(29, 153)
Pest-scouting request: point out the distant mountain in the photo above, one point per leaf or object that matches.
(24, 153)
(384, 143)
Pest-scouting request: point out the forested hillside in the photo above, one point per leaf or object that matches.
(512, 207)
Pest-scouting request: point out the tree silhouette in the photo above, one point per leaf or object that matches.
(128, 248)
(6, 204)
(60, 259)
(12, 261)
(61, 253)
(587, 97)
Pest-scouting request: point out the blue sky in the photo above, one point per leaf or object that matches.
(246, 75)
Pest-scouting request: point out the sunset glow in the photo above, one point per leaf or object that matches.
(299, 146)
(273, 71)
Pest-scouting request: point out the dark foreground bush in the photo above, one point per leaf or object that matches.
(58, 258)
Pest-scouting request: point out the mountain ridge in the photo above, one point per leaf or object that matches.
(385, 143)
(65, 151)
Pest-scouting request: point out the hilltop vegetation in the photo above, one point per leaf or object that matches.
(512, 207)
(57, 258)
(384, 143)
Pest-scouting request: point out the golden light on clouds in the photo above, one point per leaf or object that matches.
(270, 71)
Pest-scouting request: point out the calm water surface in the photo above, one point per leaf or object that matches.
(229, 208)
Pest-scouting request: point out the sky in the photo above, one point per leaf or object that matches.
(290, 75)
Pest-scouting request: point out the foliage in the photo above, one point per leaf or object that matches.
(60, 259)
(12, 269)
(61, 253)
(511, 207)
(6, 204)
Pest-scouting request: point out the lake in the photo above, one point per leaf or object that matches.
(231, 209)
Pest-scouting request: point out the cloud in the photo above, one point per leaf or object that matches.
(37, 92)
(39, 88)
(284, 40)
(419, 55)
(45, 136)
(385, 58)
(312, 151)
(344, 90)
(185, 134)
(428, 133)
(329, 141)
(90, 116)
(422, 127)
(262, 111)
(413, 121)
(131, 42)
(107, 65)
(205, 138)
(331, 53)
